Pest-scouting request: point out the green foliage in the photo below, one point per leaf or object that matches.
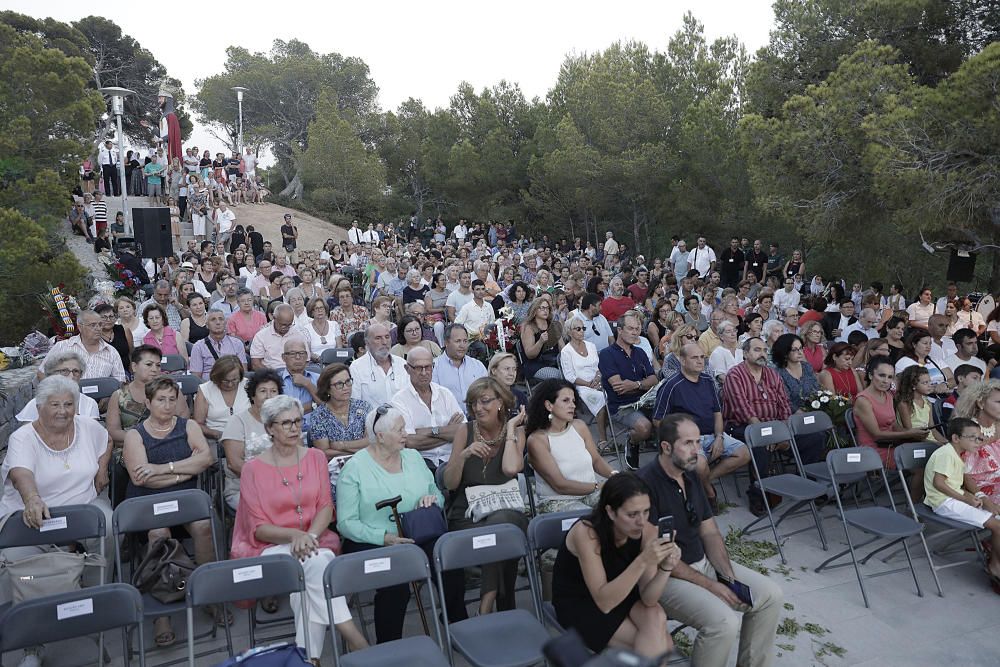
(342, 178)
(30, 259)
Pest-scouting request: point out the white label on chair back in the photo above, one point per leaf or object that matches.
(58, 523)
(811, 419)
(242, 574)
(75, 608)
(483, 541)
(373, 565)
(567, 524)
(854, 458)
(163, 360)
(767, 430)
(90, 389)
(165, 508)
(920, 453)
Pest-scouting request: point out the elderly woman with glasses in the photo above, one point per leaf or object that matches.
(384, 469)
(338, 423)
(286, 508)
(223, 396)
(349, 316)
(541, 339)
(70, 364)
(579, 361)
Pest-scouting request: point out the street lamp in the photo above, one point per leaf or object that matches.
(118, 96)
(239, 100)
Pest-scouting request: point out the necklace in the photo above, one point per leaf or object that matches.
(493, 443)
(297, 493)
(61, 454)
(149, 425)
(989, 431)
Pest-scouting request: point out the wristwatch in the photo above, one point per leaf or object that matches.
(435, 431)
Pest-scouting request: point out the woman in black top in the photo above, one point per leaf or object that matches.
(413, 291)
(611, 571)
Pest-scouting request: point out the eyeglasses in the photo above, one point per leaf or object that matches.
(75, 372)
(380, 411)
(578, 328)
(689, 337)
(294, 355)
(423, 368)
(342, 384)
(290, 424)
(92, 325)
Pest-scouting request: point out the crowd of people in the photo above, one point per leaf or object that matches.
(371, 369)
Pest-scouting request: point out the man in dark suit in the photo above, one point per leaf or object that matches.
(834, 323)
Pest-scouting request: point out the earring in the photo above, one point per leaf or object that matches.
(550, 416)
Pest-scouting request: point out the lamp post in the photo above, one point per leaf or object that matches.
(118, 96)
(239, 100)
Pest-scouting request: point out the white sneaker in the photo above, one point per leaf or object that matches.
(32, 658)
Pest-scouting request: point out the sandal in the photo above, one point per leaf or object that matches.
(269, 605)
(215, 611)
(603, 447)
(165, 638)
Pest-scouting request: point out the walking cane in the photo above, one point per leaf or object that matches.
(393, 504)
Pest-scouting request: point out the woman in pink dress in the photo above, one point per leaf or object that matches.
(160, 335)
(245, 322)
(981, 402)
(286, 508)
(875, 413)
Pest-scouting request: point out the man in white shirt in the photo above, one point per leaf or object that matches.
(942, 346)
(102, 359)
(224, 219)
(788, 297)
(463, 295)
(460, 232)
(702, 258)
(191, 161)
(476, 314)
(431, 414)
(865, 324)
(966, 348)
(377, 375)
(267, 348)
(455, 369)
(354, 233)
(108, 158)
(250, 164)
(598, 329)
(951, 295)
(610, 250)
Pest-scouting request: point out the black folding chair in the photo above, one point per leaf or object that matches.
(338, 355)
(243, 579)
(548, 531)
(512, 638)
(795, 487)
(350, 574)
(808, 423)
(172, 363)
(81, 613)
(910, 458)
(163, 510)
(882, 523)
(99, 388)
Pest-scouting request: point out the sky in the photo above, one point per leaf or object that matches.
(413, 49)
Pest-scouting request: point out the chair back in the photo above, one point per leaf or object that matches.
(849, 460)
(69, 523)
(807, 423)
(244, 579)
(548, 531)
(87, 611)
(336, 355)
(479, 546)
(172, 363)
(852, 427)
(189, 384)
(99, 388)
(161, 510)
(763, 434)
(373, 569)
(913, 455)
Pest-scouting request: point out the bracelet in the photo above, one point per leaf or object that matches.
(664, 569)
(980, 494)
(171, 466)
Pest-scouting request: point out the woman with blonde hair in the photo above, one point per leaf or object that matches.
(503, 368)
(541, 338)
(682, 335)
(981, 402)
(813, 344)
(579, 362)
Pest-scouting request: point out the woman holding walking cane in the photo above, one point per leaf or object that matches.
(382, 470)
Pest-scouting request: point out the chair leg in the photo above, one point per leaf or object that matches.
(819, 524)
(930, 562)
(857, 567)
(913, 570)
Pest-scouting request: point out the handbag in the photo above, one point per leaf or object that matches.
(164, 571)
(49, 573)
(485, 499)
(275, 655)
(424, 524)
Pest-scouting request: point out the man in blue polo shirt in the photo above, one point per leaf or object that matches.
(298, 382)
(692, 391)
(626, 374)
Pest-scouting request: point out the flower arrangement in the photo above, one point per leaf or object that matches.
(60, 311)
(124, 282)
(503, 335)
(832, 403)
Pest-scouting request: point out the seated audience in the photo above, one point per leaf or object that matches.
(68, 363)
(338, 422)
(541, 340)
(580, 365)
(875, 412)
(627, 374)
(503, 368)
(981, 402)
(244, 437)
(215, 345)
(839, 375)
(223, 396)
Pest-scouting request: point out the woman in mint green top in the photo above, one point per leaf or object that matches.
(385, 469)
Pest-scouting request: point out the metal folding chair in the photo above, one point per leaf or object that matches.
(163, 510)
(795, 487)
(172, 363)
(548, 531)
(341, 355)
(882, 523)
(512, 638)
(99, 388)
(243, 579)
(189, 384)
(350, 574)
(914, 456)
(88, 611)
(808, 423)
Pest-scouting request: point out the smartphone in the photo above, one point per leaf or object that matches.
(665, 527)
(741, 590)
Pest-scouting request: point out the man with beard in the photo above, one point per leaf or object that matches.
(377, 375)
(699, 594)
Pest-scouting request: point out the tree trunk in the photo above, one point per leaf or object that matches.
(995, 273)
(294, 188)
(636, 229)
